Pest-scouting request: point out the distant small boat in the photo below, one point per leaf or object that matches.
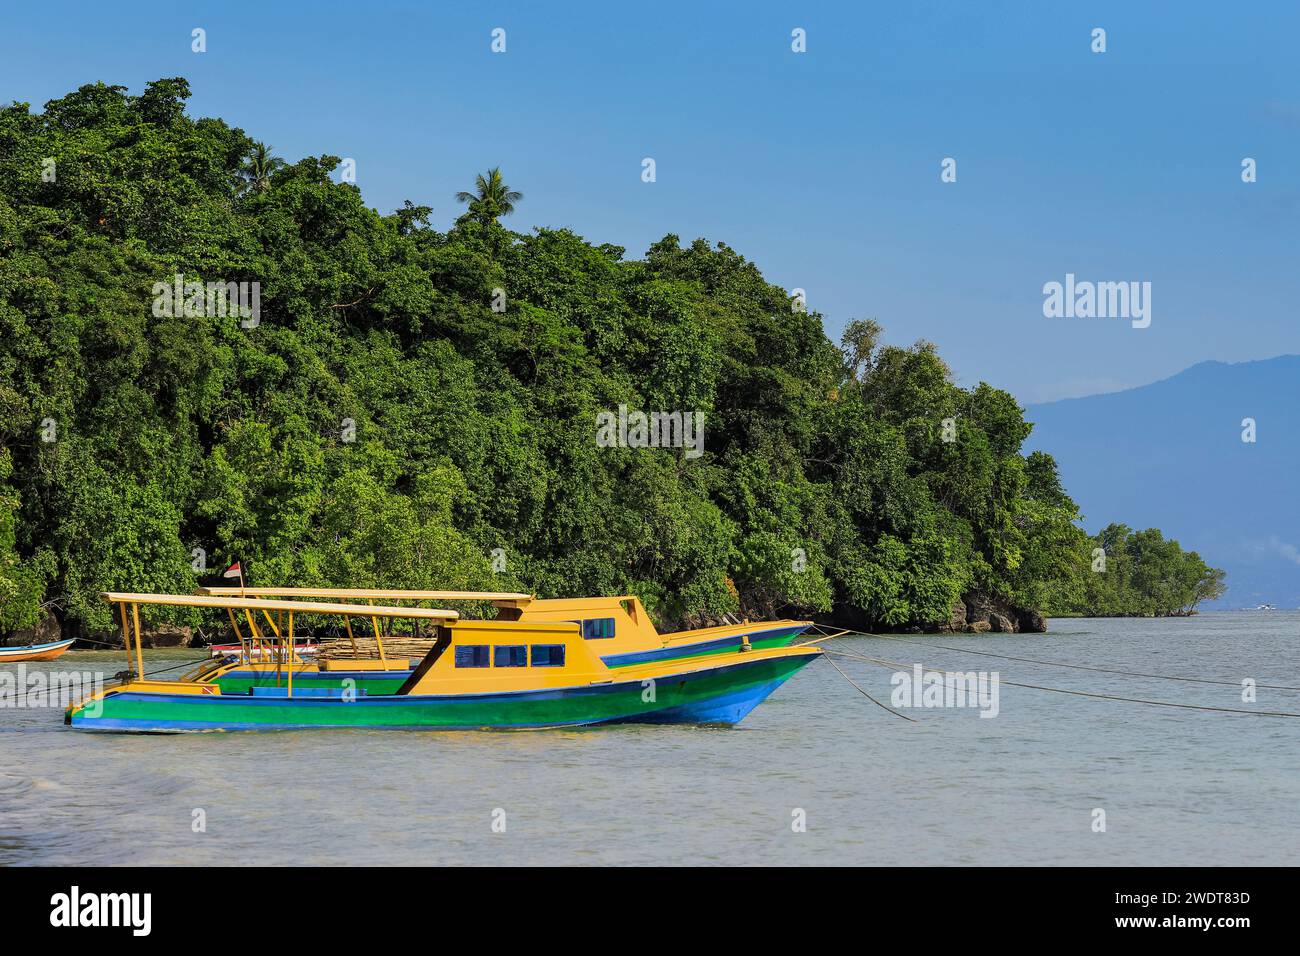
(35, 652)
(308, 649)
(1265, 607)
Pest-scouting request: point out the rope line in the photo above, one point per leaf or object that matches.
(865, 694)
(162, 670)
(1082, 667)
(1081, 693)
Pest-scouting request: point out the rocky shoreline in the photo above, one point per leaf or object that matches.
(971, 614)
(978, 614)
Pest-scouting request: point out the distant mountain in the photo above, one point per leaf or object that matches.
(1170, 455)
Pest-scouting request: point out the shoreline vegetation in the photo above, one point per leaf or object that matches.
(418, 408)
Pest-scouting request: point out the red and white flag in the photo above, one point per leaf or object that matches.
(233, 572)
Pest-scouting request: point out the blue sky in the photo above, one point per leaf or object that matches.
(822, 167)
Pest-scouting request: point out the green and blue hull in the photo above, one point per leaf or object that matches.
(714, 695)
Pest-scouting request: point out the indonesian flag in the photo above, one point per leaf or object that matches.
(233, 571)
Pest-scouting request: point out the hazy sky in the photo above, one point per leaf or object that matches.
(823, 167)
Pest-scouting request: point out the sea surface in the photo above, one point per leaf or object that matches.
(818, 774)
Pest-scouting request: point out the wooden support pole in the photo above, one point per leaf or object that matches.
(139, 654)
(234, 622)
(289, 642)
(126, 636)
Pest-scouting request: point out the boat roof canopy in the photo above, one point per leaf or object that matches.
(367, 594)
(293, 607)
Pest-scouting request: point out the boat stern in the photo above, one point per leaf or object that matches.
(725, 689)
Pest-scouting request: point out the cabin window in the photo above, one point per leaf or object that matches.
(598, 628)
(510, 655)
(548, 655)
(473, 655)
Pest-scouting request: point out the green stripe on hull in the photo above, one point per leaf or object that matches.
(690, 651)
(570, 706)
(762, 644)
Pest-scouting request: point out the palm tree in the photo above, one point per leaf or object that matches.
(492, 196)
(258, 167)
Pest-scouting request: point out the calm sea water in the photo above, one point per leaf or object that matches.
(1177, 786)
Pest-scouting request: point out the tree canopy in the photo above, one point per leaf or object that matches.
(416, 408)
(1122, 572)
(491, 197)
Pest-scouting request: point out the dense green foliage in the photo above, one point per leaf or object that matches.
(383, 424)
(1126, 572)
(22, 583)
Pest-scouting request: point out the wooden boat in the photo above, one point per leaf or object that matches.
(34, 652)
(498, 674)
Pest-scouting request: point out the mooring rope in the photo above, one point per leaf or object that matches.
(1085, 667)
(865, 694)
(161, 670)
(87, 640)
(822, 638)
(1081, 693)
(1082, 667)
(164, 670)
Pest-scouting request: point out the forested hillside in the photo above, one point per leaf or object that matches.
(418, 408)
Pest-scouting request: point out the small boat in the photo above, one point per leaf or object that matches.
(35, 652)
(494, 674)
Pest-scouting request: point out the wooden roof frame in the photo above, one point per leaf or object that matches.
(221, 602)
(498, 598)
